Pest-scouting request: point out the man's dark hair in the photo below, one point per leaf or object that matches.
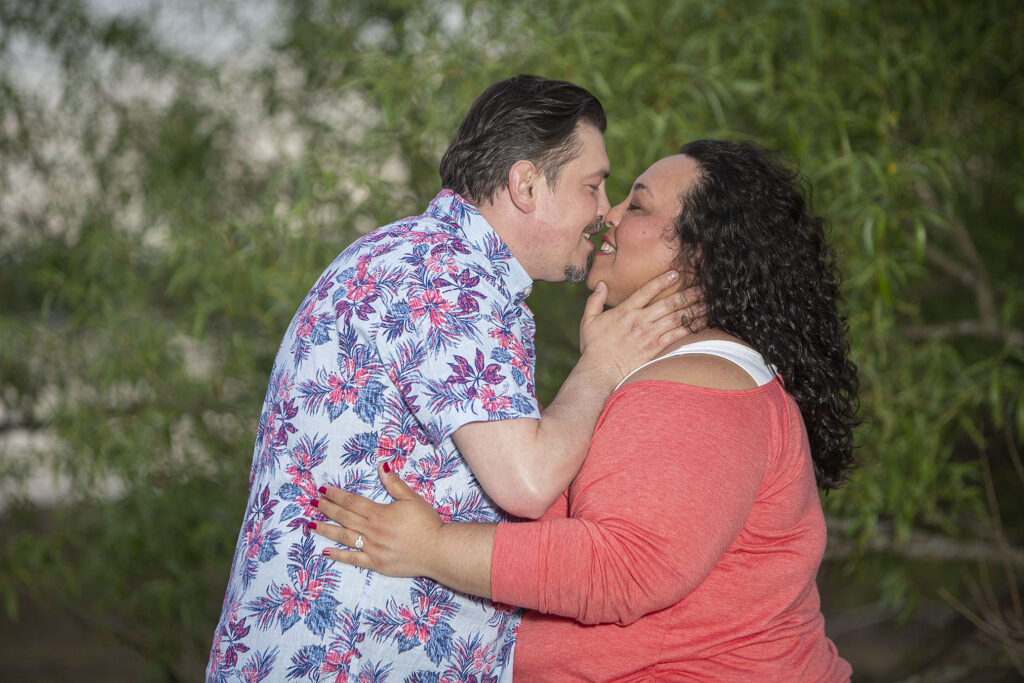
(525, 117)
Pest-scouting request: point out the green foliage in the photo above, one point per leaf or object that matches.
(906, 120)
(161, 216)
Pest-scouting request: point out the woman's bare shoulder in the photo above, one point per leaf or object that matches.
(699, 370)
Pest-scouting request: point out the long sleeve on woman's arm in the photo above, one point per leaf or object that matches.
(671, 475)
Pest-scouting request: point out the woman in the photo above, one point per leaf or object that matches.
(687, 546)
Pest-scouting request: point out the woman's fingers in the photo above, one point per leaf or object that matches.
(394, 485)
(356, 559)
(339, 506)
(343, 535)
(333, 532)
(352, 503)
(396, 538)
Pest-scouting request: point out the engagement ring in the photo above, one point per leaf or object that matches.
(359, 542)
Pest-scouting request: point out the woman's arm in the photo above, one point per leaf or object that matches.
(670, 480)
(407, 538)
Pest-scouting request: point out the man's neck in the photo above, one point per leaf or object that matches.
(508, 223)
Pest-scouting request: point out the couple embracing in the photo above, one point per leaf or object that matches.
(658, 521)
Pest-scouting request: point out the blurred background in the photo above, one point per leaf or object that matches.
(175, 175)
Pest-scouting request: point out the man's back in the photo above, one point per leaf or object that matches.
(413, 331)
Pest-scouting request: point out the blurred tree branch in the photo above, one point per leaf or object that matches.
(918, 544)
(966, 328)
(20, 425)
(991, 616)
(974, 275)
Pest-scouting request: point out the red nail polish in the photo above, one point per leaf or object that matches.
(326, 552)
(311, 525)
(387, 468)
(315, 503)
(322, 490)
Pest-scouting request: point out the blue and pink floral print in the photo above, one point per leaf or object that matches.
(416, 329)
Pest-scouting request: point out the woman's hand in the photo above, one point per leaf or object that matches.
(397, 539)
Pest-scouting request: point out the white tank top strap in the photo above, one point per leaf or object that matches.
(747, 358)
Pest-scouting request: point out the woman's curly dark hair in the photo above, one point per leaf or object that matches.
(770, 278)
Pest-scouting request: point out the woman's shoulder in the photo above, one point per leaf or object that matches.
(699, 369)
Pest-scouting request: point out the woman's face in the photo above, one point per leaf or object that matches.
(639, 244)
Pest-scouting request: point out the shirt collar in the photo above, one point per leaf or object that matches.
(451, 208)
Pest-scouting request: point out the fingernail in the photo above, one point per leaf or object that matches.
(322, 490)
(311, 525)
(673, 275)
(326, 552)
(387, 468)
(315, 503)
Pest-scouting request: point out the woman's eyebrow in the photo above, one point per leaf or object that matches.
(640, 187)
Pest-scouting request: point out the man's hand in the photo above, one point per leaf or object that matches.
(525, 464)
(625, 337)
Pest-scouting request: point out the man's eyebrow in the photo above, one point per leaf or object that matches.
(640, 187)
(603, 174)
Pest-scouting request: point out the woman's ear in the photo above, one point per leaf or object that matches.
(522, 185)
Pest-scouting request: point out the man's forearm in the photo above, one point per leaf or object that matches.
(525, 464)
(566, 426)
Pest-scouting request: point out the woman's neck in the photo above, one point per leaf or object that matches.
(706, 334)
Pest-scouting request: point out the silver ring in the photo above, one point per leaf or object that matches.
(359, 542)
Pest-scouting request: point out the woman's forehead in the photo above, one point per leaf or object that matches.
(667, 177)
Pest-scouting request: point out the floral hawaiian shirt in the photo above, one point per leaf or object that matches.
(416, 329)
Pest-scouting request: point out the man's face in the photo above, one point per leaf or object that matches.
(570, 211)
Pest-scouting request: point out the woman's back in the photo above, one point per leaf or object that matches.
(694, 538)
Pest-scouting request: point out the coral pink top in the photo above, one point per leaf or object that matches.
(685, 550)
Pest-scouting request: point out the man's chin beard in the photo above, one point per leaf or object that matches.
(574, 274)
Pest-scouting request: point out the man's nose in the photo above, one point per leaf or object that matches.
(613, 214)
(603, 205)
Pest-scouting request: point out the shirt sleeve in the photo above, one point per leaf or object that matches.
(459, 351)
(670, 478)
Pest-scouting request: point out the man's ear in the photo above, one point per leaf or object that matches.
(522, 185)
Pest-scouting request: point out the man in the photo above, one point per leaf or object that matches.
(415, 348)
